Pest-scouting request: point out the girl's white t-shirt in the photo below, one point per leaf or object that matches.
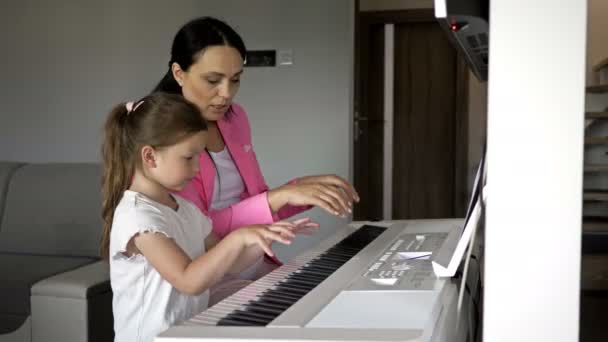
(145, 304)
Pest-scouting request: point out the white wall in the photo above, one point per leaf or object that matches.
(67, 62)
(535, 138)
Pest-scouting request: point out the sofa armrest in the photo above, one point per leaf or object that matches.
(82, 282)
(73, 306)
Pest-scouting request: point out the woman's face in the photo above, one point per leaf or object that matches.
(212, 81)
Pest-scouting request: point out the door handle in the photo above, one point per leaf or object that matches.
(356, 128)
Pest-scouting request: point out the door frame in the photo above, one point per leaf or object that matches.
(363, 25)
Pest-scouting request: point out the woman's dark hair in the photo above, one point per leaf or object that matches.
(158, 120)
(192, 39)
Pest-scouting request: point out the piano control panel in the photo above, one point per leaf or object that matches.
(405, 264)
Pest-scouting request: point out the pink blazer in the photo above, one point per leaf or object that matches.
(253, 207)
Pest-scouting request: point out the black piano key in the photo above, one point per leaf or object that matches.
(345, 251)
(273, 302)
(318, 266)
(291, 290)
(329, 265)
(321, 267)
(319, 271)
(270, 301)
(344, 256)
(240, 317)
(335, 259)
(306, 272)
(281, 293)
(314, 281)
(265, 305)
(257, 307)
(285, 295)
(249, 311)
(338, 252)
(233, 322)
(291, 284)
(274, 298)
(306, 284)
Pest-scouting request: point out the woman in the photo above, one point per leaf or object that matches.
(207, 58)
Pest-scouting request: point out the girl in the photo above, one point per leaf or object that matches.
(163, 255)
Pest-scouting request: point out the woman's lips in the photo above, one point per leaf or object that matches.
(220, 108)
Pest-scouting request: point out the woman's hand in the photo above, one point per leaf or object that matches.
(329, 192)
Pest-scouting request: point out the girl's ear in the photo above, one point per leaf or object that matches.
(148, 157)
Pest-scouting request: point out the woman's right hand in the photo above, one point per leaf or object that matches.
(328, 192)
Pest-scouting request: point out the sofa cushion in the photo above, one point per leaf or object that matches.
(19, 273)
(53, 209)
(6, 172)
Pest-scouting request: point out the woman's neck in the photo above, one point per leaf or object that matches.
(215, 141)
(152, 190)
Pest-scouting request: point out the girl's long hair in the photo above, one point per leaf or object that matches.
(157, 120)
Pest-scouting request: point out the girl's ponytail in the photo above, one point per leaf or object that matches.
(118, 169)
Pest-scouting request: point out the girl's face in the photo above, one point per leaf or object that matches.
(176, 165)
(212, 81)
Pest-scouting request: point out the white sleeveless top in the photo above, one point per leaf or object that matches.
(228, 187)
(144, 303)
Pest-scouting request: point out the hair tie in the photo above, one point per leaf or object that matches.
(131, 106)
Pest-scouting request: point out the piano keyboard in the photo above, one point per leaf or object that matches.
(264, 300)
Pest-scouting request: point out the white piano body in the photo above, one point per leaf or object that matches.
(384, 291)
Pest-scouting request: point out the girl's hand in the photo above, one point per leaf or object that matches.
(304, 226)
(329, 192)
(264, 235)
